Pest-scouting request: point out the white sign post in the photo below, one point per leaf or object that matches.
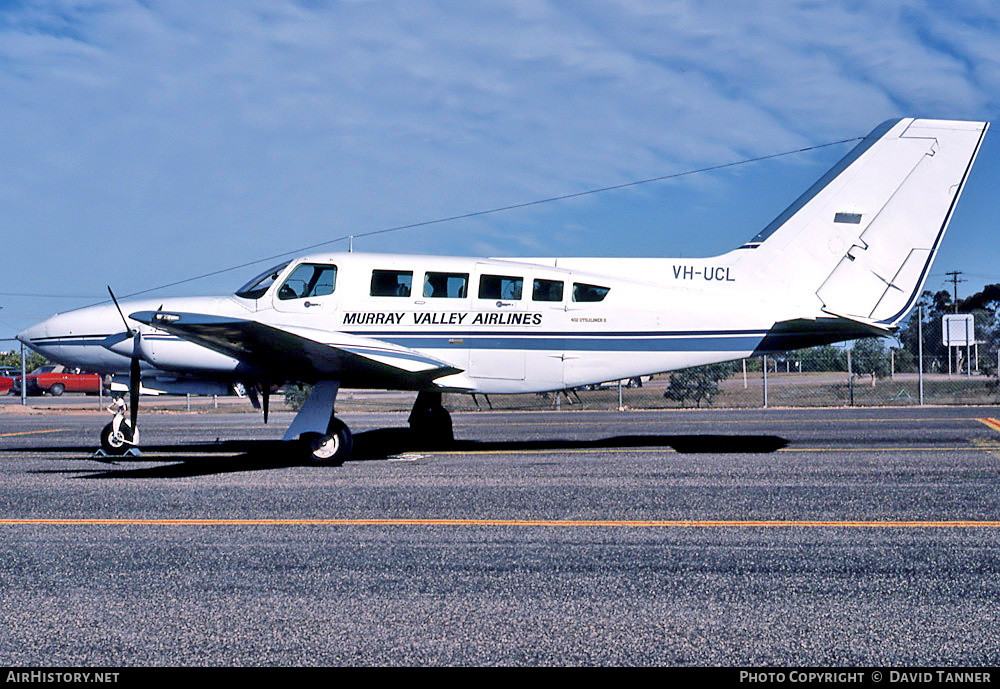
(958, 330)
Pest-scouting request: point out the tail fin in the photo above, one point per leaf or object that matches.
(864, 236)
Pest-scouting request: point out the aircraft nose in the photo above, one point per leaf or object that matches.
(29, 336)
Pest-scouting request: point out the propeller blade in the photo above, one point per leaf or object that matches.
(133, 392)
(115, 300)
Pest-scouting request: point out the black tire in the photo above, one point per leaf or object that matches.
(332, 449)
(116, 446)
(57, 389)
(433, 427)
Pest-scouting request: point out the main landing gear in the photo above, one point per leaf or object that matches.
(331, 448)
(430, 422)
(322, 437)
(325, 439)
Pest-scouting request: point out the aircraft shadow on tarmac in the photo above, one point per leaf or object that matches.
(203, 459)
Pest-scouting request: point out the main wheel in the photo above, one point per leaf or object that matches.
(432, 427)
(333, 448)
(116, 443)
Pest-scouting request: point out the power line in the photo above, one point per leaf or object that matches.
(474, 214)
(49, 296)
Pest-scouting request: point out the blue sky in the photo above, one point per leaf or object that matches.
(142, 143)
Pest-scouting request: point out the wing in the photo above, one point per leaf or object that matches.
(306, 354)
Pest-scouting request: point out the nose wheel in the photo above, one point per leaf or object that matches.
(120, 435)
(117, 441)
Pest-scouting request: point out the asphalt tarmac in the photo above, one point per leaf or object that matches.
(812, 537)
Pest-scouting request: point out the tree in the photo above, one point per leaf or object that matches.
(985, 307)
(697, 383)
(934, 307)
(296, 395)
(822, 358)
(869, 357)
(32, 360)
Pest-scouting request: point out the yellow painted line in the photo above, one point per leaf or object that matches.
(989, 445)
(877, 449)
(676, 421)
(712, 523)
(52, 430)
(990, 423)
(665, 449)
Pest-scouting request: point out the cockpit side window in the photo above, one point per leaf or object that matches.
(309, 280)
(258, 286)
(585, 292)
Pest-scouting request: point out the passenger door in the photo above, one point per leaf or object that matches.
(499, 306)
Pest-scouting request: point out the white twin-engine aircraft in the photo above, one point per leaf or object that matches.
(847, 259)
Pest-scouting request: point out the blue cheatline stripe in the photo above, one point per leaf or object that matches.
(383, 334)
(58, 338)
(664, 341)
(614, 344)
(63, 343)
(94, 341)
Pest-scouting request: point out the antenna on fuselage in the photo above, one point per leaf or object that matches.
(350, 244)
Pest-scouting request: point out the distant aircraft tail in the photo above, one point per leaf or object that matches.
(864, 236)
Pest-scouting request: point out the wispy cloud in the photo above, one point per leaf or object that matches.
(151, 140)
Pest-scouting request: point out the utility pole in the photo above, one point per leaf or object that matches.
(920, 352)
(958, 351)
(954, 281)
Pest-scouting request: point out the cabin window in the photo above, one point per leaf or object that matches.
(448, 285)
(309, 280)
(583, 292)
(547, 290)
(258, 286)
(391, 283)
(500, 287)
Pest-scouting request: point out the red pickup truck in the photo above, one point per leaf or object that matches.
(56, 379)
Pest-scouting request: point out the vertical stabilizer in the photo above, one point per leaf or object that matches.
(863, 237)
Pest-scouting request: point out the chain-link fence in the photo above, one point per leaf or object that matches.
(864, 373)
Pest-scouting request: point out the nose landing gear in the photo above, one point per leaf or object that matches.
(119, 437)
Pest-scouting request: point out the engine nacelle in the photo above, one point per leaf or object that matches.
(170, 353)
(164, 385)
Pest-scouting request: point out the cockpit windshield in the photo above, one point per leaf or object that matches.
(258, 286)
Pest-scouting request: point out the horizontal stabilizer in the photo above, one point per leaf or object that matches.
(801, 332)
